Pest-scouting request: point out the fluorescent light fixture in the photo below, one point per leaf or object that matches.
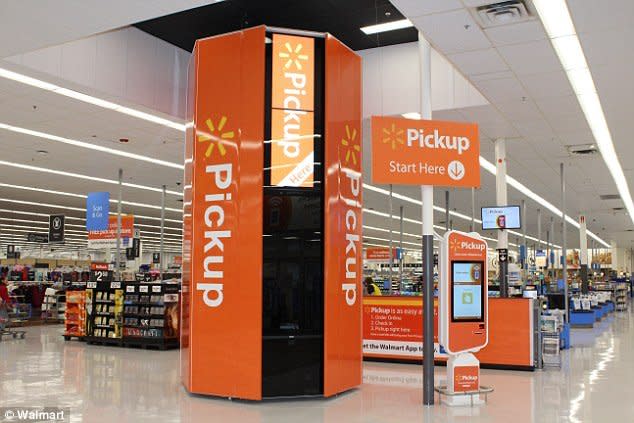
(395, 244)
(451, 212)
(72, 225)
(490, 167)
(412, 115)
(557, 21)
(387, 26)
(58, 206)
(34, 82)
(70, 194)
(89, 146)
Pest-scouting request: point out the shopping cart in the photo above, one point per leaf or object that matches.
(7, 318)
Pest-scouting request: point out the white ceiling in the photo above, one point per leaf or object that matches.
(514, 67)
(34, 24)
(533, 105)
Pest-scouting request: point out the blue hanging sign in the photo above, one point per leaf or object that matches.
(97, 211)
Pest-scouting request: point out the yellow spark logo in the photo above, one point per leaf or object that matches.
(293, 56)
(454, 245)
(348, 142)
(215, 140)
(393, 136)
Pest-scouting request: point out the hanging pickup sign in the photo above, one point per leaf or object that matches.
(425, 152)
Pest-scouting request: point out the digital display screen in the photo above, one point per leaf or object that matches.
(467, 291)
(501, 217)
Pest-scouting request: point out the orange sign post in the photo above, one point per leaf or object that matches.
(427, 153)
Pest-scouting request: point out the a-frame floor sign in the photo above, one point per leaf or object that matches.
(463, 312)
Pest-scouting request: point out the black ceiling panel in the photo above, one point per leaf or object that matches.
(342, 18)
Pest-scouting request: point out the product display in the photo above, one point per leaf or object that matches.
(104, 312)
(151, 314)
(133, 313)
(75, 314)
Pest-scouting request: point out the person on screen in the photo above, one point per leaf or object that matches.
(370, 287)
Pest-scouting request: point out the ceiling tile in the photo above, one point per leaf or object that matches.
(608, 47)
(499, 130)
(482, 114)
(556, 107)
(447, 32)
(500, 90)
(519, 110)
(477, 62)
(593, 15)
(492, 75)
(549, 84)
(413, 8)
(515, 34)
(530, 58)
(535, 128)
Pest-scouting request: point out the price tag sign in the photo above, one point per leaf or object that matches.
(91, 285)
(156, 288)
(143, 288)
(170, 298)
(129, 288)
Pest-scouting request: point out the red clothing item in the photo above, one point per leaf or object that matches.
(4, 293)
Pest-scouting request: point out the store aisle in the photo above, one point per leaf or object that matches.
(103, 384)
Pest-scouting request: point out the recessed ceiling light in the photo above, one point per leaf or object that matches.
(387, 26)
(42, 152)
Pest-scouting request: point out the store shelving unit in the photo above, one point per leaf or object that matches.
(151, 315)
(104, 312)
(75, 315)
(620, 296)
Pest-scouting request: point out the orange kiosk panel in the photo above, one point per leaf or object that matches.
(222, 307)
(343, 261)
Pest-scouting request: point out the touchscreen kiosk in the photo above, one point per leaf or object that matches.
(466, 291)
(463, 293)
(463, 310)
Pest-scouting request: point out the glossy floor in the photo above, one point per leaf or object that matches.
(109, 384)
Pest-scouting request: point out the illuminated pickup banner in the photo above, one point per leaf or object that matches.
(292, 114)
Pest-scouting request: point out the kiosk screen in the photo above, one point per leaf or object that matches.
(467, 289)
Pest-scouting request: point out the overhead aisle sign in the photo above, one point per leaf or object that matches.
(108, 238)
(425, 152)
(56, 228)
(97, 211)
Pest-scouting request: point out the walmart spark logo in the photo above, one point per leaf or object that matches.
(293, 56)
(349, 143)
(215, 140)
(454, 245)
(393, 136)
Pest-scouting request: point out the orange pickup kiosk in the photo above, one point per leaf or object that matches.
(463, 314)
(271, 303)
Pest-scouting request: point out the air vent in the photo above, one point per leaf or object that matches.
(582, 149)
(504, 13)
(610, 197)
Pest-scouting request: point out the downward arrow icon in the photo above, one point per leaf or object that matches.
(456, 170)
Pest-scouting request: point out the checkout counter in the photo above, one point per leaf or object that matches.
(393, 331)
